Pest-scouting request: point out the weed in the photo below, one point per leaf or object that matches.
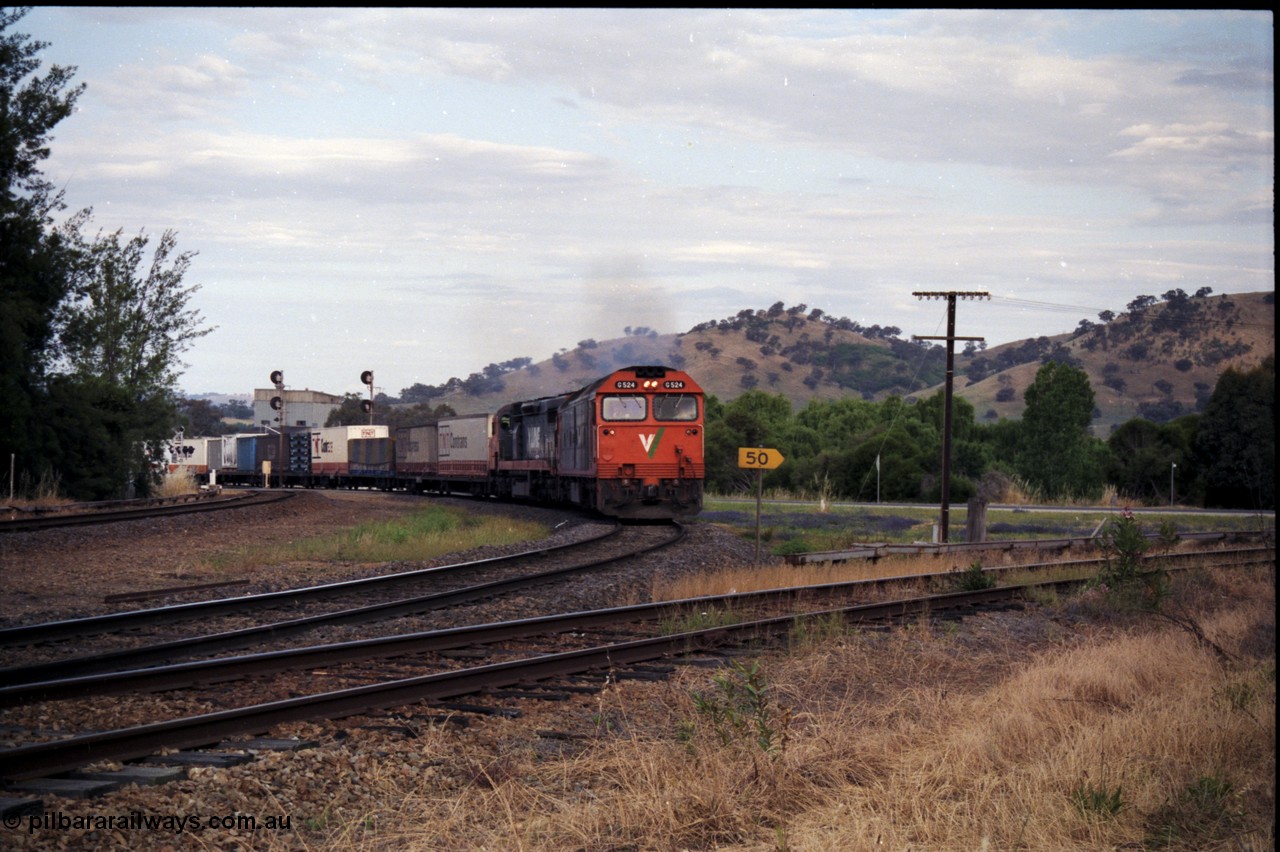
(1204, 808)
(1239, 696)
(741, 710)
(810, 632)
(792, 546)
(975, 578)
(703, 620)
(1122, 544)
(176, 484)
(1093, 800)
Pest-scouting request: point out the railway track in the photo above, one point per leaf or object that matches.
(517, 576)
(42, 759)
(110, 674)
(114, 511)
(242, 605)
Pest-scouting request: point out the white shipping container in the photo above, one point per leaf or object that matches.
(463, 445)
(329, 445)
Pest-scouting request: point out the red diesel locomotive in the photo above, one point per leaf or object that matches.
(629, 445)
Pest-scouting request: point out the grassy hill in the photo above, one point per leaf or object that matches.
(1159, 359)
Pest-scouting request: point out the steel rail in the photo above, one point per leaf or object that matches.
(78, 627)
(203, 672)
(229, 640)
(879, 550)
(49, 758)
(42, 759)
(110, 516)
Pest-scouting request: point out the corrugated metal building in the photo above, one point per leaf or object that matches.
(301, 407)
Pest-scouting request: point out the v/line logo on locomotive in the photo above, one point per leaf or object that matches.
(650, 442)
(629, 445)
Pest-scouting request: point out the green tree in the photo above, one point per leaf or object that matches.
(34, 260)
(97, 437)
(754, 419)
(1142, 457)
(90, 332)
(1055, 452)
(1236, 445)
(128, 319)
(124, 325)
(201, 417)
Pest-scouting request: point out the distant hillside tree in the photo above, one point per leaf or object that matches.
(202, 417)
(351, 413)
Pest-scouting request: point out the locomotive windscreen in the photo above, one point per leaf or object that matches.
(675, 406)
(623, 408)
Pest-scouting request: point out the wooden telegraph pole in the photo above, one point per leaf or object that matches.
(951, 339)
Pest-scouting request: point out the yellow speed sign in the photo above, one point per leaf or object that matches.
(759, 458)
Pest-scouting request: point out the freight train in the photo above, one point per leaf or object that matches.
(629, 445)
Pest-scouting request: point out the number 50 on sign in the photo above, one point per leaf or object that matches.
(759, 458)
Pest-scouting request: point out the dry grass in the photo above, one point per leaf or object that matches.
(44, 493)
(1091, 730)
(177, 484)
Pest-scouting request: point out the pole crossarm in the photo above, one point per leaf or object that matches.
(943, 337)
(951, 294)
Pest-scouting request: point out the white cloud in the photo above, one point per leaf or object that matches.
(661, 168)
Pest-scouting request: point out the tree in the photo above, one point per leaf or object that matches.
(1143, 456)
(1236, 443)
(89, 340)
(1055, 451)
(129, 321)
(202, 417)
(124, 325)
(34, 261)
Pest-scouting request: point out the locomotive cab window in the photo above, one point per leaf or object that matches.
(675, 406)
(623, 408)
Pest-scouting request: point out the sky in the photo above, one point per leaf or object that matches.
(424, 192)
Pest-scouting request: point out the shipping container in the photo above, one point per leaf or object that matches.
(462, 445)
(228, 455)
(371, 457)
(329, 446)
(253, 450)
(416, 450)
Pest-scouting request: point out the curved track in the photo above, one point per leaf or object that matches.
(229, 640)
(85, 514)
